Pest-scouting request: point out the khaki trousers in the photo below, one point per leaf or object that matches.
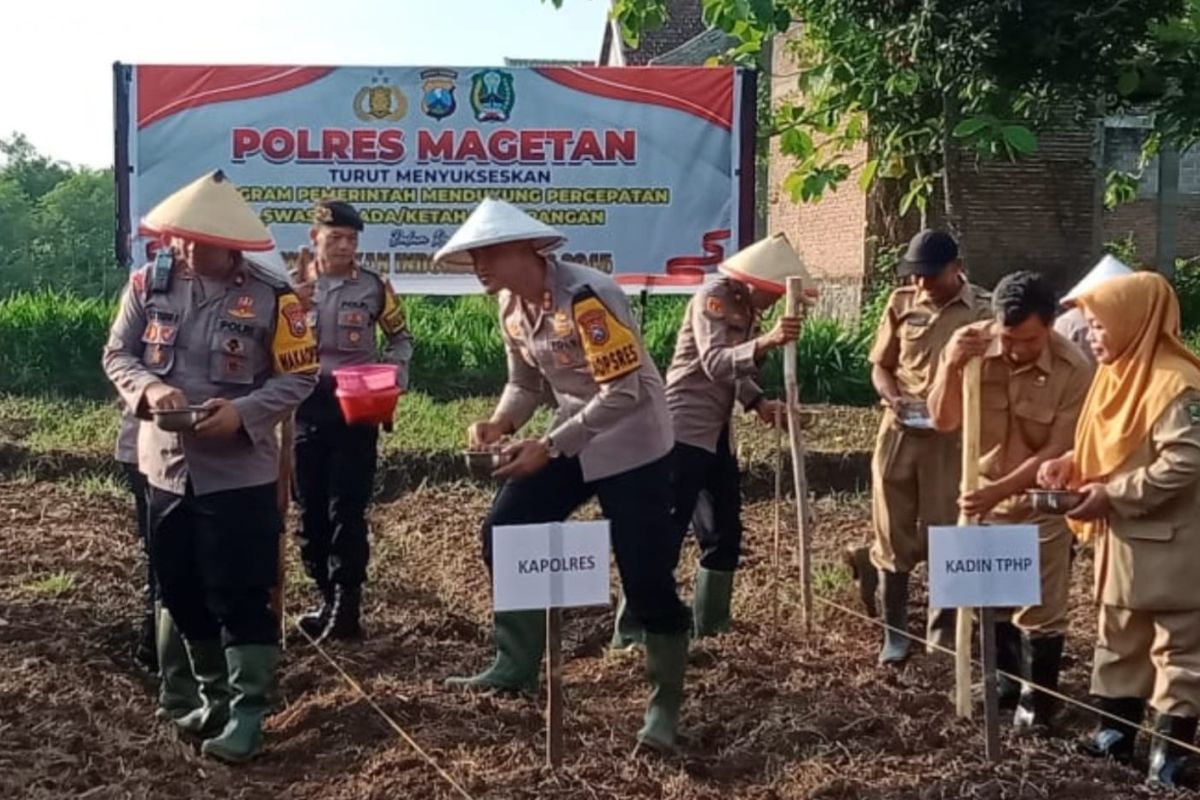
(1054, 550)
(914, 484)
(1154, 655)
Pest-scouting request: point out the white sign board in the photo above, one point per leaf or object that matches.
(554, 565)
(984, 566)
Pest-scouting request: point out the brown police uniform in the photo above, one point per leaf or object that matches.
(1031, 410)
(1145, 570)
(246, 340)
(915, 473)
(335, 462)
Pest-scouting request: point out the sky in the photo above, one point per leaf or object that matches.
(57, 56)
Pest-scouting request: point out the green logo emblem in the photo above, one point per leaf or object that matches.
(492, 95)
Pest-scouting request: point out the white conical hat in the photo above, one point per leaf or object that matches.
(1107, 267)
(210, 209)
(496, 222)
(767, 264)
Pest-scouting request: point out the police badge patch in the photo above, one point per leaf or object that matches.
(437, 92)
(595, 327)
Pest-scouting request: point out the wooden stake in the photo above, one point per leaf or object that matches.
(554, 699)
(970, 481)
(991, 702)
(287, 437)
(778, 516)
(795, 308)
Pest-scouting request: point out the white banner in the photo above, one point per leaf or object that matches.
(985, 566)
(556, 565)
(639, 167)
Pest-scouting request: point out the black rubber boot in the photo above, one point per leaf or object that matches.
(344, 622)
(858, 559)
(941, 629)
(145, 652)
(1041, 661)
(1167, 759)
(314, 623)
(1009, 654)
(1114, 739)
(895, 614)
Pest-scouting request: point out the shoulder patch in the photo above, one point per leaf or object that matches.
(392, 318)
(714, 307)
(612, 349)
(293, 348)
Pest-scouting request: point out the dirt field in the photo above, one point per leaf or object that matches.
(770, 714)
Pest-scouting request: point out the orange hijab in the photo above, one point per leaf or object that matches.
(1152, 368)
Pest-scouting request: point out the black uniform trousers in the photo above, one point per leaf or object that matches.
(708, 495)
(217, 558)
(135, 481)
(332, 480)
(637, 504)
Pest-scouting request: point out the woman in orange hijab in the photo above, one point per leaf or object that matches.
(1137, 463)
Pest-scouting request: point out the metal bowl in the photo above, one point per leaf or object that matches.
(1053, 501)
(914, 414)
(482, 463)
(179, 420)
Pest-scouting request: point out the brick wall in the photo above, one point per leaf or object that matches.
(1039, 213)
(1140, 218)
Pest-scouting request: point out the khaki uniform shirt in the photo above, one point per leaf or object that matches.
(713, 363)
(247, 340)
(914, 331)
(1026, 410)
(1073, 325)
(346, 310)
(1147, 559)
(583, 342)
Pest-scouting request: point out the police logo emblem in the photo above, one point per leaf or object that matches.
(437, 93)
(296, 318)
(243, 308)
(381, 101)
(492, 95)
(595, 326)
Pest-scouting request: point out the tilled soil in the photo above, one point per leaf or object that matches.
(771, 712)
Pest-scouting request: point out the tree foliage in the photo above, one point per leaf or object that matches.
(56, 224)
(926, 82)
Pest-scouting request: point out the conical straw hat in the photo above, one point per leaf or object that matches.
(210, 209)
(767, 264)
(1107, 267)
(496, 222)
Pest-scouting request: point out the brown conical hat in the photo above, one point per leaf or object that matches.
(210, 209)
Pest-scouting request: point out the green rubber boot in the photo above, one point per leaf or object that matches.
(208, 665)
(666, 663)
(520, 641)
(628, 633)
(710, 606)
(251, 676)
(178, 692)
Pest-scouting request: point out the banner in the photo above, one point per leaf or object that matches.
(641, 168)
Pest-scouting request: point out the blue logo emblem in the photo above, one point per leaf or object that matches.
(437, 98)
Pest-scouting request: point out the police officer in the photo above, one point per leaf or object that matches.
(335, 462)
(716, 360)
(915, 470)
(214, 330)
(1033, 385)
(571, 327)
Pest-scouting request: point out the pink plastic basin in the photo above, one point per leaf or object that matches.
(372, 408)
(365, 378)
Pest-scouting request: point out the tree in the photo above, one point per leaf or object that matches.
(34, 173)
(927, 82)
(75, 234)
(16, 236)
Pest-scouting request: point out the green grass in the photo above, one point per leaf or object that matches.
(54, 585)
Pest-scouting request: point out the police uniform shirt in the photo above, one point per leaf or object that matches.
(127, 437)
(914, 330)
(346, 309)
(583, 342)
(713, 363)
(245, 339)
(1026, 409)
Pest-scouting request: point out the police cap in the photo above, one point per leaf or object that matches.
(337, 214)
